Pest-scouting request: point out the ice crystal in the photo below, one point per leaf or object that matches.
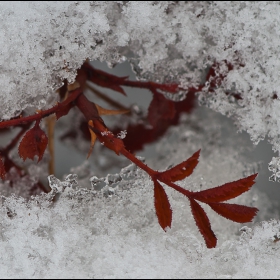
(274, 166)
(122, 134)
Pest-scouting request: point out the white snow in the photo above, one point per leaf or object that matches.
(43, 43)
(85, 235)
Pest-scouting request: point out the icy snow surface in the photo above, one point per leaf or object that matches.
(43, 43)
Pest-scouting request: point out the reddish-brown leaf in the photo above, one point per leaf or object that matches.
(226, 191)
(160, 108)
(162, 206)
(33, 143)
(2, 169)
(235, 212)
(182, 170)
(203, 224)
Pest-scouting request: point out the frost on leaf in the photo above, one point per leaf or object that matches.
(106, 137)
(122, 134)
(33, 143)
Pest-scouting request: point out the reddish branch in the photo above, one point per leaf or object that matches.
(57, 109)
(213, 197)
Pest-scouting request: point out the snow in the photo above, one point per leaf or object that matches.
(113, 232)
(43, 43)
(80, 238)
(122, 134)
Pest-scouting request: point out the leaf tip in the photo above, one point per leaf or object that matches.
(203, 224)
(162, 206)
(253, 176)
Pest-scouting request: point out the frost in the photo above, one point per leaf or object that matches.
(274, 166)
(104, 133)
(122, 134)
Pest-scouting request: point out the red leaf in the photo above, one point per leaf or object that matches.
(235, 212)
(182, 170)
(226, 191)
(33, 143)
(2, 169)
(203, 224)
(162, 206)
(160, 108)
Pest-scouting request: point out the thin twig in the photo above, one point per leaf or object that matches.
(106, 98)
(50, 125)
